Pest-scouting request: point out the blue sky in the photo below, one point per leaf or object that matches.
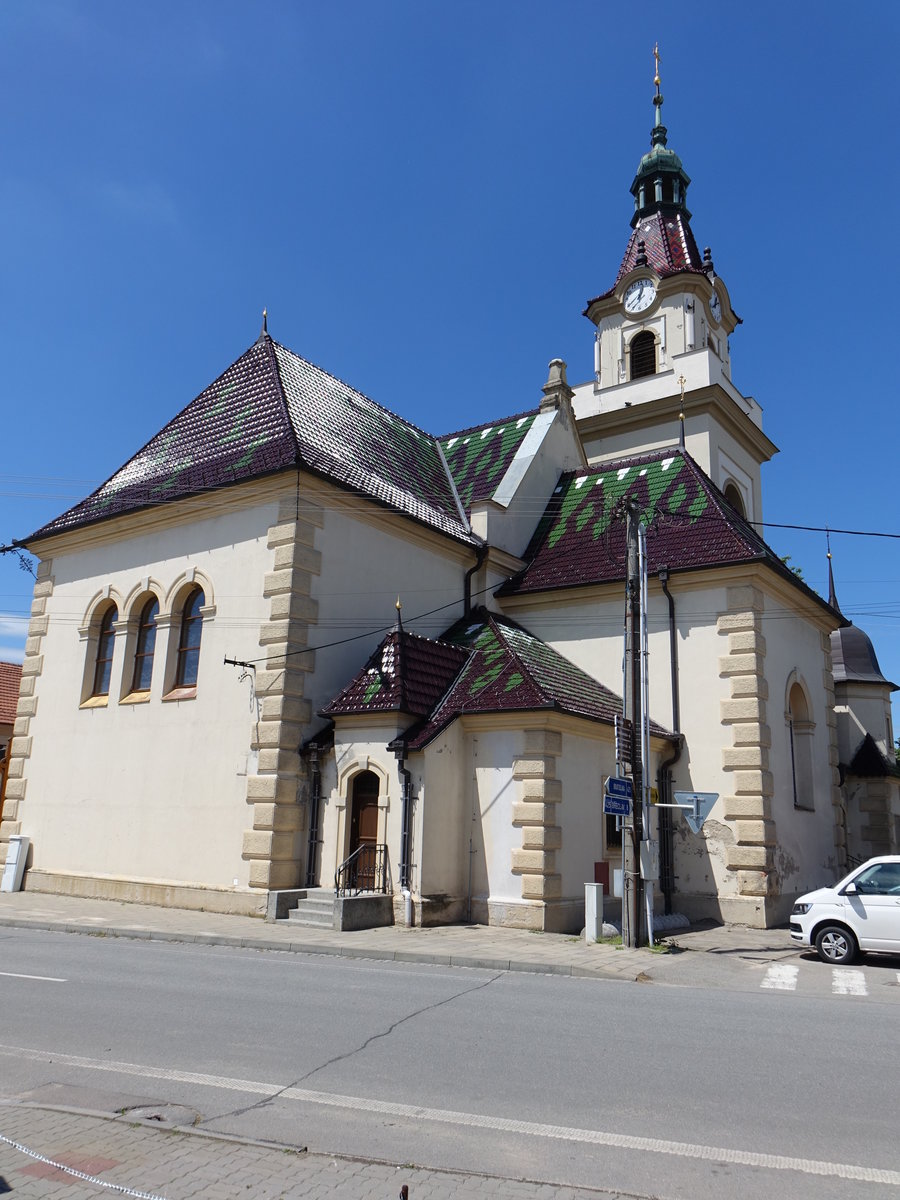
(424, 196)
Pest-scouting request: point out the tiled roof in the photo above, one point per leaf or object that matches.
(407, 673)
(690, 525)
(10, 678)
(510, 670)
(272, 410)
(479, 458)
(668, 244)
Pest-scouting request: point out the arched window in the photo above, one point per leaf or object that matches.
(106, 640)
(643, 354)
(800, 730)
(733, 496)
(189, 639)
(145, 645)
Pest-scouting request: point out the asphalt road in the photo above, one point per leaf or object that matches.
(655, 1091)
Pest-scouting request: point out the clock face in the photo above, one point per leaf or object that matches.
(715, 307)
(639, 295)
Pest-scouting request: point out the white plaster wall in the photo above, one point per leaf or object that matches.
(365, 566)
(581, 767)
(862, 708)
(443, 816)
(154, 790)
(591, 635)
(495, 836)
(805, 856)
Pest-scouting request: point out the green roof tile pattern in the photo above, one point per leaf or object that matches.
(580, 539)
(479, 458)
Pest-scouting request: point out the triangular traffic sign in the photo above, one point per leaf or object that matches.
(700, 807)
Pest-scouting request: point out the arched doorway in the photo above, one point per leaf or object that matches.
(364, 828)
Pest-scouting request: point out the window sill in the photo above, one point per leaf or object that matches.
(136, 698)
(95, 702)
(181, 693)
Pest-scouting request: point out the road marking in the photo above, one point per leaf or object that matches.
(42, 978)
(781, 977)
(846, 981)
(618, 1141)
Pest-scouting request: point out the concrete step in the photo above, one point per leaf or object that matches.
(315, 908)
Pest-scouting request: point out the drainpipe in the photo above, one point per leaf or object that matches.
(315, 796)
(405, 835)
(663, 776)
(480, 555)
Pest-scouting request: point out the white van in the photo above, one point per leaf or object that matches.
(862, 912)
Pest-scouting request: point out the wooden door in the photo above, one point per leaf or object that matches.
(364, 827)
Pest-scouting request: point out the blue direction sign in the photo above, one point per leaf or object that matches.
(696, 807)
(616, 786)
(616, 806)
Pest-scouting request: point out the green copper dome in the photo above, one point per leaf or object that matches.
(661, 182)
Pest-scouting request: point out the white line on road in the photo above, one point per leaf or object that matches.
(42, 978)
(845, 981)
(781, 977)
(618, 1141)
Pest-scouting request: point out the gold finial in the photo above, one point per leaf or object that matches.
(656, 72)
(398, 605)
(681, 383)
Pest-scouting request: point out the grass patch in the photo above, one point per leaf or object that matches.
(615, 940)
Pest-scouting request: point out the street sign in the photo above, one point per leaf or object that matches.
(696, 807)
(616, 786)
(616, 806)
(624, 739)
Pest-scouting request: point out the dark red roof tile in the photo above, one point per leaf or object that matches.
(510, 670)
(668, 244)
(690, 525)
(407, 673)
(479, 458)
(273, 410)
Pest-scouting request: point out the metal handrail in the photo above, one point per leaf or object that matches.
(363, 871)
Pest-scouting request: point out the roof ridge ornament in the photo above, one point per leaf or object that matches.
(658, 137)
(264, 332)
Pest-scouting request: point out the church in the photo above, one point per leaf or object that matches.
(215, 712)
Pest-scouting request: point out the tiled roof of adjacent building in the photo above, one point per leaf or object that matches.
(483, 664)
(690, 525)
(10, 678)
(271, 410)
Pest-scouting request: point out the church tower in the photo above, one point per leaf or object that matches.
(662, 362)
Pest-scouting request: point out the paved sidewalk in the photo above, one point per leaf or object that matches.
(699, 955)
(177, 1164)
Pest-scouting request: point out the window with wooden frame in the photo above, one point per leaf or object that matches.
(189, 640)
(145, 646)
(643, 354)
(106, 640)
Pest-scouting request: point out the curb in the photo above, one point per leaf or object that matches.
(351, 952)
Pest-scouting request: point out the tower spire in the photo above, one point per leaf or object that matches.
(832, 595)
(658, 136)
(661, 182)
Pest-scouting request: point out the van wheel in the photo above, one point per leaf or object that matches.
(836, 945)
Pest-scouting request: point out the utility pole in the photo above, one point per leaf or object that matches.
(632, 908)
